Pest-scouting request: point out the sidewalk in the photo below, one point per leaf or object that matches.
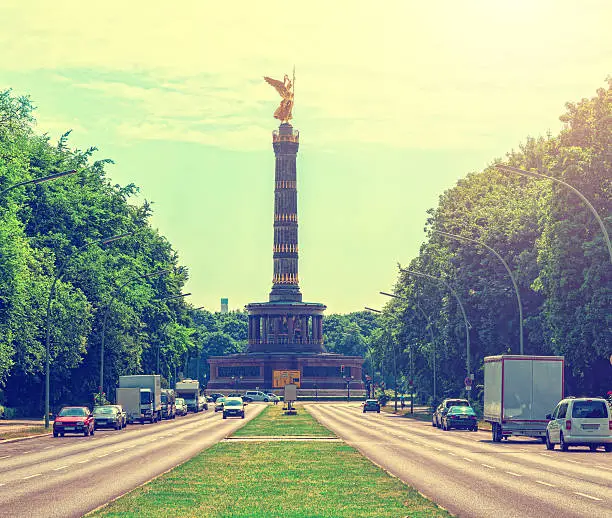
(20, 428)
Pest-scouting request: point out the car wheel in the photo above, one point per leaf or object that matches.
(562, 444)
(496, 431)
(378, 411)
(475, 429)
(608, 447)
(242, 415)
(118, 426)
(61, 434)
(86, 432)
(364, 410)
(433, 423)
(549, 445)
(593, 447)
(55, 434)
(224, 416)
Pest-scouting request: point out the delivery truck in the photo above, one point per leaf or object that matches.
(146, 388)
(189, 390)
(519, 391)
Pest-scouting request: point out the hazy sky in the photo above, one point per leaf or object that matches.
(394, 100)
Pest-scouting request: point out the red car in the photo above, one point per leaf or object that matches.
(73, 419)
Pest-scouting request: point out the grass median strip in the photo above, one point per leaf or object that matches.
(273, 422)
(275, 479)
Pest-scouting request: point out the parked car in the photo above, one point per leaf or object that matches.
(216, 395)
(462, 417)
(233, 406)
(580, 422)
(181, 406)
(256, 395)
(219, 404)
(107, 416)
(436, 418)
(73, 419)
(123, 414)
(371, 405)
(273, 397)
(202, 404)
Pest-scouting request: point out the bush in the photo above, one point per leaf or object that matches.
(7, 413)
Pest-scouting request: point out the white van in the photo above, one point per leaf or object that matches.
(256, 395)
(580, 422)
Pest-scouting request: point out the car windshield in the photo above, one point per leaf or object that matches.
(104, 410)
(371, 402)
(457, 403)
(220, 399)
(180, 401)
(145, 398)
(233, 402)
(592, 409)
(73, 412)
(461, 410)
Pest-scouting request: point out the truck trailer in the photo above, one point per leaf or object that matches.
(519, 391)
(149, 397)
(189, 390)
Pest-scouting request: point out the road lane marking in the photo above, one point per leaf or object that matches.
(438, 449)
(572, 461)
(587, 496)
(82, 461)
(29, 451)
(100, 456)
(545, 483)
(600, 467)
(513, 474)
(1, 485)
(47, 447)
(117, 451)
(61, 467)
(469, 460)
(452, 454)
(544, 454)
(32, 476)
(5, 457)
(487, 466)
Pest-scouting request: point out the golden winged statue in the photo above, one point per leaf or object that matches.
(285, 89)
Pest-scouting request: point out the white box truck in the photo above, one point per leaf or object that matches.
(189, 390)
(149, 397)
(519, 391)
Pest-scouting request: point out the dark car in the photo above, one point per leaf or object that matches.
(216, 395)
(233, 407)
(371, 405)
(436, 418)
(107, 417)
(73, 419)
(462, 417)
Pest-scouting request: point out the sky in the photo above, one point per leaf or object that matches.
(395, 101)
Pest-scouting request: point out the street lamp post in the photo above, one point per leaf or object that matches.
(348, 380)
(42, 179)
(516, 289)
(433, 342)
(107, 312)
(58, 275)
(465, 320)
(582, 197)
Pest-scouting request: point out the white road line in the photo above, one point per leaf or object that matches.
(572, 461)
(513, 474)
(100, 456)
(438, 449)
(452, 454)
(5, 457)
(47, 447)
(32, 476)
(487, 466)
(1, 485)
(82, 461)
(600, 467)
(61, 467)
(469, 460)
(587, 496)
(544, 454)
(117, 451)
(545, 483)
(24, 452)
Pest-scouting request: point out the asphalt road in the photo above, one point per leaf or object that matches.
(468, 474)
(71, 475)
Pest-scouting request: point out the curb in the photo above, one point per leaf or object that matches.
(17, 439)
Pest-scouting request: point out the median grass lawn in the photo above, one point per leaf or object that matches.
(273, 422)
(275, 479)
(12, 431)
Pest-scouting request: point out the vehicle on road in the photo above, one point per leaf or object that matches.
(140, 395)
(580, 422)
(219, 404)
(371, 405)
(460, 417)
(202, 403)
(107, 416)
(273, 397)
(519, 390)
(189, 390)
(73, 419)
(216, 395)
(181, 406)
(168, 404)
(436, 418)
(256, 395)
(123, 414)
(233, 407)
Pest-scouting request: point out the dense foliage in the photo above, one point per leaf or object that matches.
(553, 245)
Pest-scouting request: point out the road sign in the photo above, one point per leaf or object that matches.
(468, 383)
